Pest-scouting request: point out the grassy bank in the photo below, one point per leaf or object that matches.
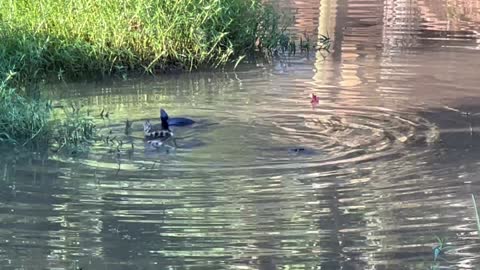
(71, 38)
(59, 37)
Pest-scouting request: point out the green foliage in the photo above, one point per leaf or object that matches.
(440, 248)
(21, 120)
(58, 37)
(72, 38)
(74, 132)
(26, 121)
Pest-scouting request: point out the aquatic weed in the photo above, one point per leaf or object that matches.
(74, 132)
(439, 248)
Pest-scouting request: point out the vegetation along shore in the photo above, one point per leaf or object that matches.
(69, 39)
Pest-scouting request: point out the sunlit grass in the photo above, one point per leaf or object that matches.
(73, 132)
(87, 36)
(21, 120)
(77, 38)
(30, 122)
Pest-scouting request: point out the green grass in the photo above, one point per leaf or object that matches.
(21, 120)
(73, 131)
(72, 37)
(30, 122)
(79, 38)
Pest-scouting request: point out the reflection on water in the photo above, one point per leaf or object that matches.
(365, 180)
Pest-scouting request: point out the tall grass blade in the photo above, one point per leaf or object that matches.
(477, 214)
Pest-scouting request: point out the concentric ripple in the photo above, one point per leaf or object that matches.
(305, 138)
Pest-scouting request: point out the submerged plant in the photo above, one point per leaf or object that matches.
(128, 127)
(439, 249)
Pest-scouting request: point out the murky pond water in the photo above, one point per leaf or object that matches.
(366, 179)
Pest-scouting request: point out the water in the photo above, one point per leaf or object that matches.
(366, 179)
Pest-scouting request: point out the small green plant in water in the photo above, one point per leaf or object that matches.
(439, 248)
(75, 132)
(128, 127)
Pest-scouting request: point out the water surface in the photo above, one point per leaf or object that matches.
(364, 180)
